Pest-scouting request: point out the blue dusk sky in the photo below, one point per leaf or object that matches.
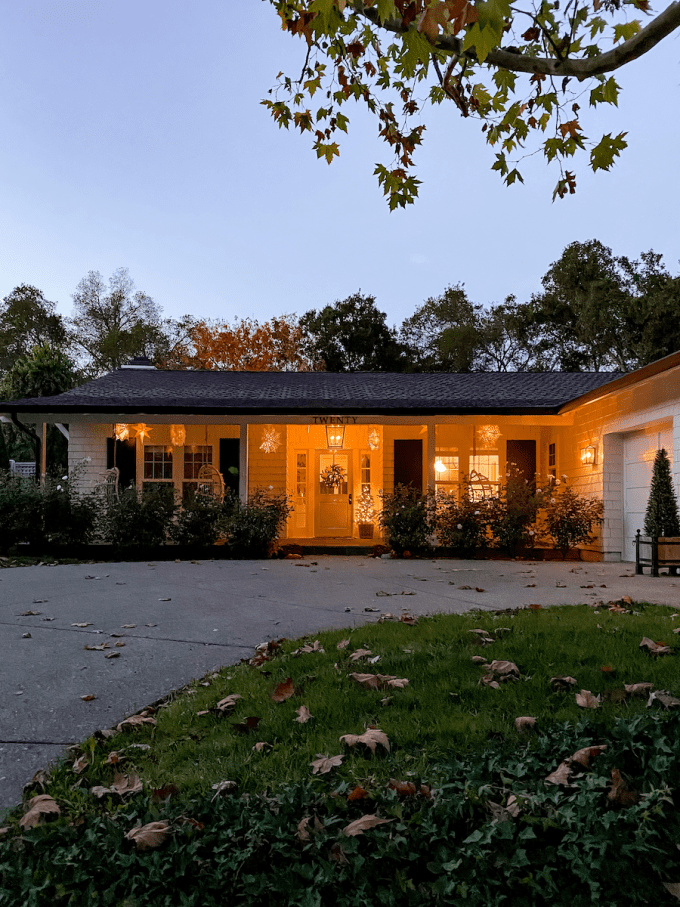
(133, 137)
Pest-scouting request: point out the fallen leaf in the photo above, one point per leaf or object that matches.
(463, 588)
(131, 626)
(30, 613)
(119, 645)
(587, 701)
(665, 698)
(81, 625)
(114, 758)
(262, 747)
(512, 806)
(151, 836)
(654, 648)
(371, 738)
(228, 704)
(560, 775)
(535, 607)
(80, 765)
(135, 721)
(88, 697)
(164, 599)
(621, 793)
(502, 670)
(562, 683)
(638, 689)
(303, 714)
(357, 793)
(583, 757)
(360, 653)
(479, 659)
(125, 785)
(323, 764)
(525, 724)
(403, 788)
(39, 807)
(223, 789)
(477, 589)
(342, 644)
(113, 655)
(98, 791)
(308, 648)
(672, 888)
(359, 826)
(99, 648)
(530, 586)
(337, 854)
(166, 792)
(247, 725)
(408, 620)
(283, 691)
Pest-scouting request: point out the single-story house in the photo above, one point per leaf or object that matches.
(324, 439)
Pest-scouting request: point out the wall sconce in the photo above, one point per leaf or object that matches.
(589, 455)
(178, 435)
(121, 431)
(335, 436)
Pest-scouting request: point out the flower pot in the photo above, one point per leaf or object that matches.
(669, 548)
(365, 530)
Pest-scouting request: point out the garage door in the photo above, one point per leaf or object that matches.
(639, 450)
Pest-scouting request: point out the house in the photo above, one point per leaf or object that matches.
(293, 431)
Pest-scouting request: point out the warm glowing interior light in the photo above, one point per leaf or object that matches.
(439, 466)
(121, 431)
(335, 436)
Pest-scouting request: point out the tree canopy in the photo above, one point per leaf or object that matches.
(27, 319)
(520, 72)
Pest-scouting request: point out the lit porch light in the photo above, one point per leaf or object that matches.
(143, 431)
(589, 455)
(335, 436)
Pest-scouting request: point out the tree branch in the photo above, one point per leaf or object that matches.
(658, 29)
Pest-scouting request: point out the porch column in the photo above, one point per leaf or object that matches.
(43, 454)
(431, 452)
(243, 464)
(613, 497)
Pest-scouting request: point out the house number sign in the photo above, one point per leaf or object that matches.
(335, 420)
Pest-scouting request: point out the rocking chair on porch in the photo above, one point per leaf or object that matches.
(210, 482)
(479, 485)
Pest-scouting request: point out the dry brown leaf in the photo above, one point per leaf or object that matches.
(303, 714)
(113, 655)
(360, 653)
(369, 681)
(512, 806)
(125, 785)
(408, 620)
(149, 837)
(479, 660)
(228, 703)
(371, 738)
(342, 644)
(135, 721)
(587, 701)
(359, 826)
(323, 764)
(621, 793)
(654, 648)
(81, 625)
(403, 788)
(283, 691)
(303, 833)
(99, 648)
(337, 854)
(358, 793)
(672, 888)
(224, 789)
(560, 775)
(128, 626)
(98, 791)
(638, 689)
(525, 724)
(308, 648)
(502, 671)
(88, 697)
(166, 792)
(80, 765)
(583, 757)
(562, 683)
(39, 807)
(247, 725)
(394, 683)
(665, 698)
(114, 758)
(262, 747)
(119, 645)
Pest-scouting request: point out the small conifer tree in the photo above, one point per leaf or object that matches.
(661, 516)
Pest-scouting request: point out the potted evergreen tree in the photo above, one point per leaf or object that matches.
(365, 515)
(661, 516)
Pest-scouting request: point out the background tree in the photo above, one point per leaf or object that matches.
(112, 324)
(507, 338)
(661, 516)
(44, 372)
(652, 314)
(443, 335)
(352, 336)
(27, 319)
(392, 54)
(246, 345)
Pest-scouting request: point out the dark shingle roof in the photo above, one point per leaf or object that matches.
(136, 390)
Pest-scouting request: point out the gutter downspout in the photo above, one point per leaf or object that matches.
(37, 441)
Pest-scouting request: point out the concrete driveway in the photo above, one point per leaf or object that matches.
(185, 619)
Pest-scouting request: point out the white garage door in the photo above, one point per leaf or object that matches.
(639, 450)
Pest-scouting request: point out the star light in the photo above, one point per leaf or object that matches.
(271, 440)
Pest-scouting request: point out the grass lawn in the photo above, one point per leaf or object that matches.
(456, 794)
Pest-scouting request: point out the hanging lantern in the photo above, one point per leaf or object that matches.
(121, 431)
(143, 431)
(335, 436)
(374, 440)
(178, 435)
(271, 440)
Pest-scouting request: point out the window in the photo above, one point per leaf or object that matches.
(157, 463)
(301, 475)
(485, 483)
(552, 461)
(366, 472)
(194, 457)
(447, 470)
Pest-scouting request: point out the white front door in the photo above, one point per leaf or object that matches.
(333, 495)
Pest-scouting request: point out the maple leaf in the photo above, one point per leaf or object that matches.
(360, 653)
(323, 764)
(135, 721)
(79, 765)
(149, 837)
(654, 648)
(562, 683)
(228, 703)
(560, 775)
(303, 715)
(638, 689)
(283, 691)
(248, 725)
(342, 644)
(126, 784)
(39, 807)
(586, 700)
(583, 756)
(665, 698)
(621, 793)
(357, 793)
(370, 738)
(359, 826)
(525, 724)
(403, 788)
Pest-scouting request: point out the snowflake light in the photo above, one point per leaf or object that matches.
(271, 440)
(374, 440)
(488, 434)
(121, 431)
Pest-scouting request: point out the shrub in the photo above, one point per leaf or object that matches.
(513, 512)
(408, 519)
(568, 518)
(21, 510)
(461, 524)
(252, 529)
(139, 519)
(198, 521)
